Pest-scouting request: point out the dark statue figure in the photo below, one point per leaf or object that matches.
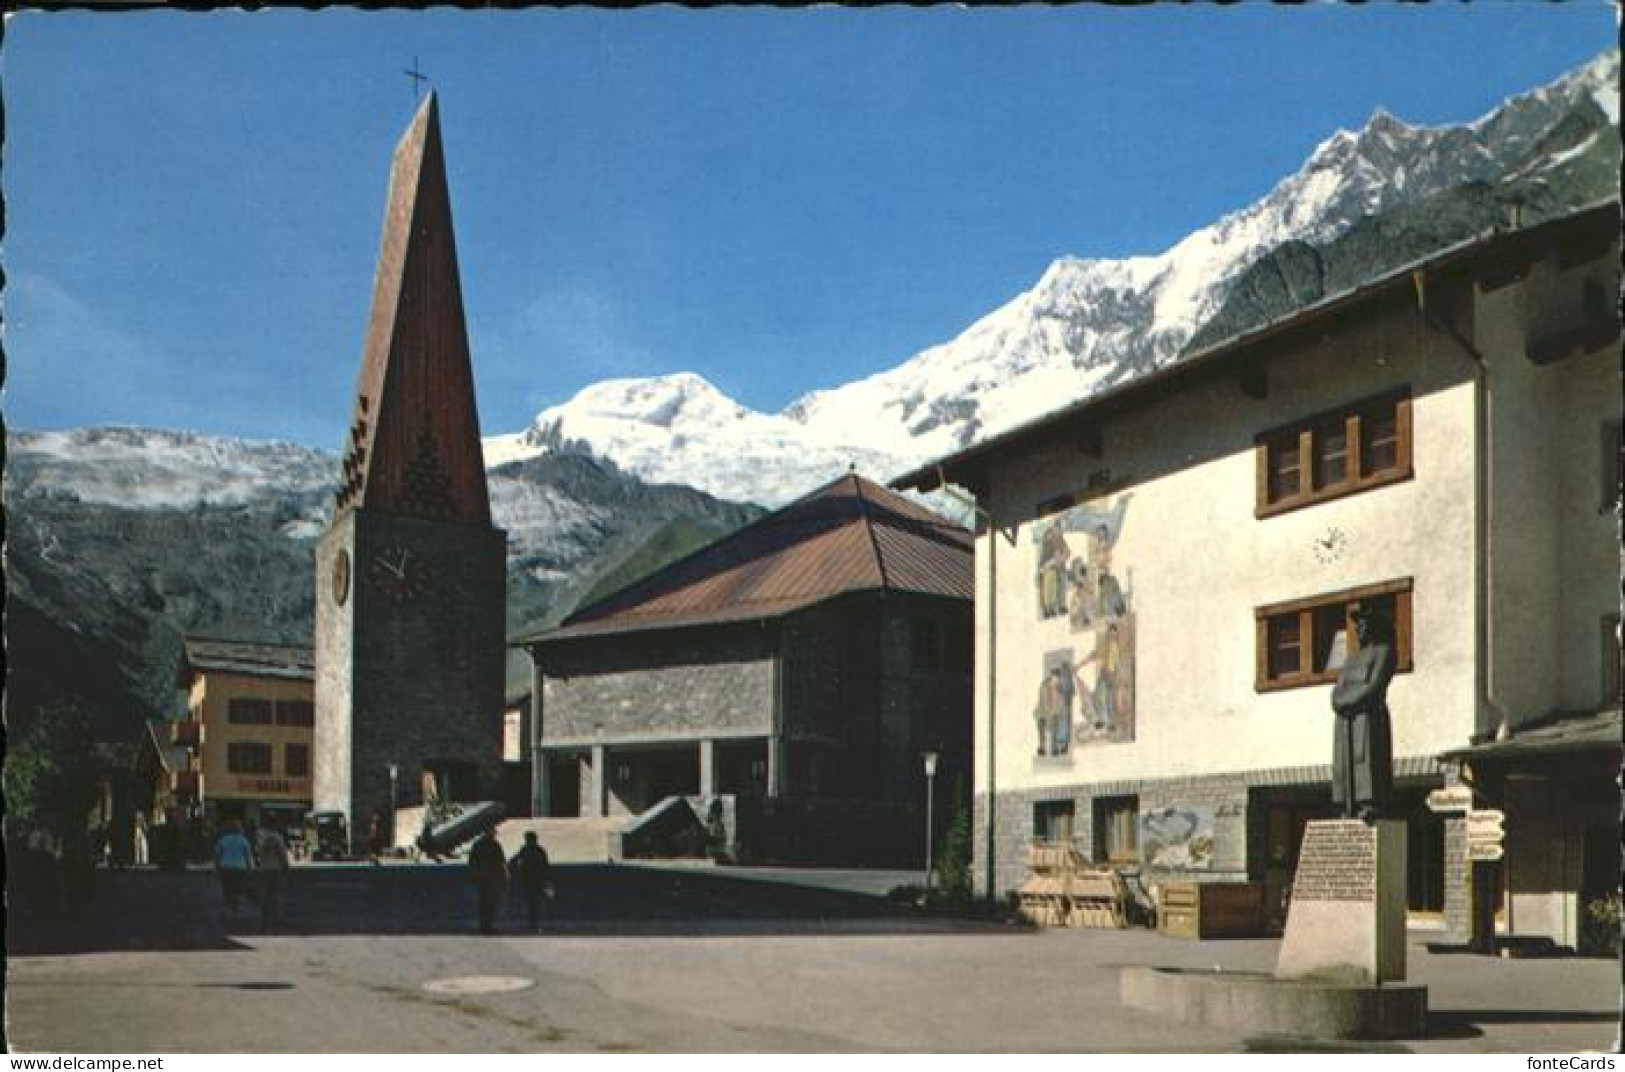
(1362, 750)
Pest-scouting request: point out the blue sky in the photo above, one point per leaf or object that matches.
(778, 200)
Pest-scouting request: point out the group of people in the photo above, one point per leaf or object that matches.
(491, 871)
(240, 861)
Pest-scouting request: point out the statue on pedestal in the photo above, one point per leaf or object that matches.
(1362, 749)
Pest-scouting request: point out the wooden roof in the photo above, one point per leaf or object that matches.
(849, 536)
(1597, 731)
(156, 742)
(414, 443)
(246, 657)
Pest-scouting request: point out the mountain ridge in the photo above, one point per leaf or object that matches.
(1087, 323)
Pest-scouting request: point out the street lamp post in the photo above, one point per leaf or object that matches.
(394, 773)
(930, 777)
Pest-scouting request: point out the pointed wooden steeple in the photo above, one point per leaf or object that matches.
(414, 444)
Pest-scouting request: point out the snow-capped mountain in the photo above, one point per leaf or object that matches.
(151, 467)
(1084, 326)
(680, 429)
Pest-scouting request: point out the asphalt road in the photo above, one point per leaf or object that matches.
(639, 959)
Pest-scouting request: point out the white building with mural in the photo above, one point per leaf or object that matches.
(1165, 573)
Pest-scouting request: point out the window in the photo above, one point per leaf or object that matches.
(1052, 821)
(1284, 469)
(295, 713)
(1333, 454)
(296, 760)
(1117, 829)
(240, 712)
(1306, 641)
(247, 757)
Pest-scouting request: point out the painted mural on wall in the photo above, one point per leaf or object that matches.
(1178, 837)
(1052, 714)
(1088, 698)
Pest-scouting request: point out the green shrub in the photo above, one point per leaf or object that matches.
(51, 776)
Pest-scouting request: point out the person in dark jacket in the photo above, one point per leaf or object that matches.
(1362, 751)
(530, 870)
(488, 868)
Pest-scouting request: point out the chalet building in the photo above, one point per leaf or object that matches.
(799, 668)
(243, 749)
(1164, 574)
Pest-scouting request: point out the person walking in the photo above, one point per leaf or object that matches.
(273, 872)
(377, 838)
(488, 868)
(531, 870)
(234, 862)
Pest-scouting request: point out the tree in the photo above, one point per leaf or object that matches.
(954, 861)
(51, 776)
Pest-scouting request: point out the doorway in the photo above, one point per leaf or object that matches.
(563, 786)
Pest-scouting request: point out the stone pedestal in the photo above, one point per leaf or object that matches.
(1346, 920)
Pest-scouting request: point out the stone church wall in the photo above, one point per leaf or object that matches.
(678, 685)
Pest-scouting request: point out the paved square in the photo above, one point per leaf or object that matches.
(652, 960)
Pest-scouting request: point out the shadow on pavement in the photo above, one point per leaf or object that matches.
(126, 911)
(1298, 1044)
(1472, 1018)
(152, 910)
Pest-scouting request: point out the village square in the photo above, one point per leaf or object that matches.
(1266, 700)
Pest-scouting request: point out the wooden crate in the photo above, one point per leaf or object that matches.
(1065, 891)
(1211, 909)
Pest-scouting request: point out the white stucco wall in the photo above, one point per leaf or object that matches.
(1554, 556)
(1554, 563)
(1196, 562)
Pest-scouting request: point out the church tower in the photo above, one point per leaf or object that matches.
(410, 576)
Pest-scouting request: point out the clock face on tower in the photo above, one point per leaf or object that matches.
(399, 573)
(341, 577)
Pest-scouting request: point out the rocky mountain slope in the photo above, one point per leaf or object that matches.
(121, 540)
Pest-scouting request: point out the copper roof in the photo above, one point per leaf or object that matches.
(247, 657)
(849, 536)
(414, 444)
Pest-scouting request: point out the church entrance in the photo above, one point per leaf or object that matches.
(564, 786)
(642, 778)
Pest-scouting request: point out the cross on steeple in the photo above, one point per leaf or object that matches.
(417, 77)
